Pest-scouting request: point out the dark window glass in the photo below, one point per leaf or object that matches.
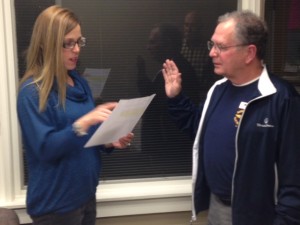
(283, 19)
(122, 36)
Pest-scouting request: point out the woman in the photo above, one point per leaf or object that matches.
(57, 117)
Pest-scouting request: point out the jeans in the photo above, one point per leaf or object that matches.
(85, 215)
(218, 213)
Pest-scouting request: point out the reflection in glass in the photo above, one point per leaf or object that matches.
(118, 35)
(293, 38)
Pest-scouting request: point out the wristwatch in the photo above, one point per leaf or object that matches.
(78, 129)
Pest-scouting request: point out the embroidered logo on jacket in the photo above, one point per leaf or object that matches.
(265, 123)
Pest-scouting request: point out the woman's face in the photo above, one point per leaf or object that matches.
(71, 48)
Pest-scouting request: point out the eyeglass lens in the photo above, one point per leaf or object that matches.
(210, 45)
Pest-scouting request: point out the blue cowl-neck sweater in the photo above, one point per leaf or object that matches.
(63, 174)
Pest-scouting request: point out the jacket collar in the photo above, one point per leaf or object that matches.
(265, 85)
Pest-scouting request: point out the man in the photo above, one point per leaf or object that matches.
(194, 50)
(158, 131)
(194, 44)
(246, 165)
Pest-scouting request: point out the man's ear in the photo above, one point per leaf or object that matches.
(251, 53)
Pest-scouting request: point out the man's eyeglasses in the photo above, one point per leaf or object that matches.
(71, 44)
(220, 48)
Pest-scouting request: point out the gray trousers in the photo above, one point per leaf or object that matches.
(85, 215)
(218, 213)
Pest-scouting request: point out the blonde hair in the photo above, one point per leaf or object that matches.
(44, 60)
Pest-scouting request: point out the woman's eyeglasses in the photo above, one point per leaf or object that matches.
(81, 42)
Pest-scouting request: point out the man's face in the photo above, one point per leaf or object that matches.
(191, 27)
(155, 46)
(227, 57)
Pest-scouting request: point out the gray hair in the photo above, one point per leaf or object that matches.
(250, 29)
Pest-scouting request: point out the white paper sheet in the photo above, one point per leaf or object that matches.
(121, 121)
(96, 79)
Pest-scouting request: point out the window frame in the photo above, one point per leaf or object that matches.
(116, 198)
